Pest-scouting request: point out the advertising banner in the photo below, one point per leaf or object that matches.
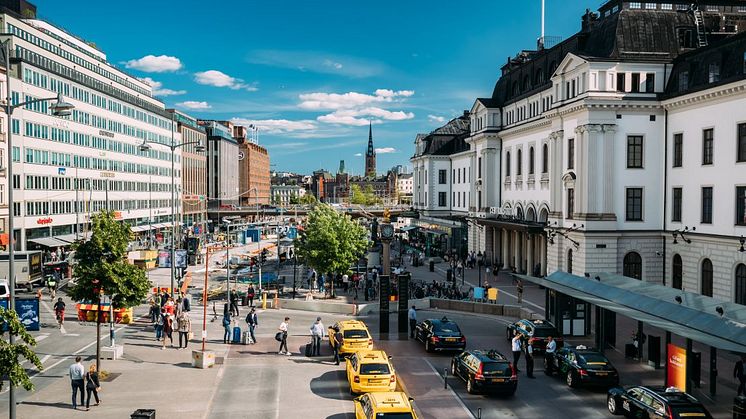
(676, 367)
(28, 313)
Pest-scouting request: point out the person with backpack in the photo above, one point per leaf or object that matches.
(283, 335)
(338, 338)
(250, 295)
(184, 327)
(252, 321)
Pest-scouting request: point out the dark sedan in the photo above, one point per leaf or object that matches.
(440, 335)
(581, 365)
(538, 329)
(485, 371)
(654, 402)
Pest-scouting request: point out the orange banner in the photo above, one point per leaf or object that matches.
(676, 367)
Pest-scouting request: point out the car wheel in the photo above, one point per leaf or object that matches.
(428, 348)
(571, 381)
(453, 368)
(470, 386)
(611, 404)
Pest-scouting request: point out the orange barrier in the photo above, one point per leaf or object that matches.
(87, 313)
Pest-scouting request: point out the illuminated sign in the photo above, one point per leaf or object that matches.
(44, 221)
(676, 367)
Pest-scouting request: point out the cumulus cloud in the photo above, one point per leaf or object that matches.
(155, 64)
(158, 89)
(277, 126)
(435, 118)
(385, 150)
(219, 79)
(349, 100)
(333, 64)
(194, 105)
(360, 117)
(334, 118)
(358, 154)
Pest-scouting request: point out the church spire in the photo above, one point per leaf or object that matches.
(371, 151)
(370, 154)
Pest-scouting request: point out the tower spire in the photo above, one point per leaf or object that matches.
(370, 154)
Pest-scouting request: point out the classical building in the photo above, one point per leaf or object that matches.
(254, 178)
(404, 188)
(285, 195)
(222, 165)
(193, 191)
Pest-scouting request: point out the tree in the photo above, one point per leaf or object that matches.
(358, 196)
(331, 241)
(308, 199)
(10, 367)
(294, 200)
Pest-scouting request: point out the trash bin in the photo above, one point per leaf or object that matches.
(143, 414)
(432, 266)
(739, 407)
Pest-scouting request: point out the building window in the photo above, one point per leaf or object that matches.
(651, 6)
(741, 147)
(686, 36)
(442, 177)
(442, 198)
(634, 204)
(632, 266)
(569, 261)
(714, 73)
(570, 203)
(678, 272)
(545, 159)
(740, 297)
(678, 150)
(708, 138)
(711, 8)
(507, 164)
(676, 205)
(666, 6)
(634, 152)
(571, 153)
(683, 81)
(519, 163)
(635, 88)
(650, 82)
(635, 5)
(707, 278)
(479, 167)
(741, 205)
(620, 82)
(531, 161)
(707, 205)
(479, 200)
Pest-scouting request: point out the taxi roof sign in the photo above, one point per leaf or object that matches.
(581, 347)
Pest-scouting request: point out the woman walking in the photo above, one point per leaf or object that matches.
(283, 332)
(92, 385)
(226, 325)
(168, 329)
(185, 327)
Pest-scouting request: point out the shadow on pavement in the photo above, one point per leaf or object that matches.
(342, 416)
(328, 385)
(46, 404)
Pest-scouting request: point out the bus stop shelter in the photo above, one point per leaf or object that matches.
(697, 318)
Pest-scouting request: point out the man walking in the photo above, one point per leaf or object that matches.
(284, 337)
(77, 374)
(516, 348)
(412, 321)
(338, 338)
(317, 334)
(530, 358)
(549, 354)
(519, 290)
(739, 372)
(253, 322)
(234, 303)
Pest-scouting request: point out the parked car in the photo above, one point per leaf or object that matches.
(538, 329)
(581, 365)
(440, 335)
(654, 402)
(485, 371)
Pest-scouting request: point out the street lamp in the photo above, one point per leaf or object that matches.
(59, 108)
(145, 146)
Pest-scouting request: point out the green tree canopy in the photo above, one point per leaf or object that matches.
(102, 264)
(307, 199)
(331, 241)
(10, 366)
(367, 196)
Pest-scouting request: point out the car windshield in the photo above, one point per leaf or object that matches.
(356, 334)
(374, 369)
(3, 290)
(394, 415)
(591, 358)
(496, 368)
(448, 327)
(690, 412)
(542, 332)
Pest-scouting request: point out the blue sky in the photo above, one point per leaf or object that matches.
(311, 74)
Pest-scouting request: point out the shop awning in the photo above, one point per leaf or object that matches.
(408, 228)
(49, 242)
(137, 229)
(70, 238)
(516, 225)
(696, 317)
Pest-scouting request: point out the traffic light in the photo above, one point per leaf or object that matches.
(263, 256)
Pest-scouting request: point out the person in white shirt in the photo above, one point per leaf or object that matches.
(77, 373)
(412, 321)
(317, 333)
(516, 348)
(284, 337)
(549, 354)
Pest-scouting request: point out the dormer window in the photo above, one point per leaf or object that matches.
(526, 83)
(714, 73)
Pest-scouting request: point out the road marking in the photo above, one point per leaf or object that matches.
(45, 358)
(456, 396)
(41, 338)
(71, 334)
(504, 292)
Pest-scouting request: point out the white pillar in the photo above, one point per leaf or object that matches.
(531, 249)
(516, 259)
(543, 254)
(505, 249)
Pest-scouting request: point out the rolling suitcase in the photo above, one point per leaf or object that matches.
(309, 346)
(246, 340)
(236, 335)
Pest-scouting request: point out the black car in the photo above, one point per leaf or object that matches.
(440, 335)
(654, 402)
(538, 329)
(485, 371)
(581, 365)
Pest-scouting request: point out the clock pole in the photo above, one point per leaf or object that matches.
(386, 235)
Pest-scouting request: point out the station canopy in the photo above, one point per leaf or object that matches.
(696, 316)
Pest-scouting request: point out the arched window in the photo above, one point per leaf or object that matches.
(507, 164)
(706, 278)
(516, 88)
(531, 161)
(632, 265)
(539, 79)
(526, 83)
(678, 272)
(740, 284)
(519, 213)
(569, 261)
(519, 163)
(545, 159)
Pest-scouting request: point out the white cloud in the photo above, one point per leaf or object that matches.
(349, 100)
(334, 118)
(360, 117)
(358, 154)
(155, 64)
(391, 93)
(385, 150)
(277, 126)
(319, 62)
(219, 79)
(335, 65)
(158, 89)
(435, 118)
(194, 105)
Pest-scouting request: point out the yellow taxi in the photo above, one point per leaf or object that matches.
(384, 405)
(355, 336)
(370, 371)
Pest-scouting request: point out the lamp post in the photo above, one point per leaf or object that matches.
(145, 146)
(59, 108)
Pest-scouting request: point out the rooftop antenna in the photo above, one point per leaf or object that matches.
(541, 40)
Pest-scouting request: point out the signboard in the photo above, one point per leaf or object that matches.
(61, 171)
(676, 367)
(44, 221)
(510, 212)
(478, 293)
(28, 313)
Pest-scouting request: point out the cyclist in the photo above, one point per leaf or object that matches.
(59, 311)
(52, 285)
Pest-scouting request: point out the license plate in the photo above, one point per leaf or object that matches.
(602, 373)
(498, 380)
(451, 340)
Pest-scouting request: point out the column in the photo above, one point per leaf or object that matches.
(505, 249)
(521, 253)
(608, 184)
(543, 254)
(516, 259)
(555, 172)
(530, 264)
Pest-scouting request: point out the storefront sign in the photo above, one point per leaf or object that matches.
(676, 367)
(107, 174)
(61, 171)
(117, 215)
(44, 221)
(509, 212)
(106, 133)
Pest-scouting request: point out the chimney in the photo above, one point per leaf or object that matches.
(588, 21)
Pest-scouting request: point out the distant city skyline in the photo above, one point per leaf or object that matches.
(312, 88)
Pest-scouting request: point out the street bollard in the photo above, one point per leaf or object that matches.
(445, 378)
(479, 413)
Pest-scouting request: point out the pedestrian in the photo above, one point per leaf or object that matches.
(226, 325)
(59, 311)
(234, 302)
(530, 358)
(519, 290)
(250, 295)
(170, 306)
(184, 324)
(345, 282)
(516, 348)
(338, 340)
(158, 325)
(92, 385)
(284, 337)
(253, 322)
(317, 334)
(77, 373)
(739, 372)
(155, 311)
(168, 329)
(549, 355)
(412, 315)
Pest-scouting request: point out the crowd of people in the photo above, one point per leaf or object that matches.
(168, 316)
